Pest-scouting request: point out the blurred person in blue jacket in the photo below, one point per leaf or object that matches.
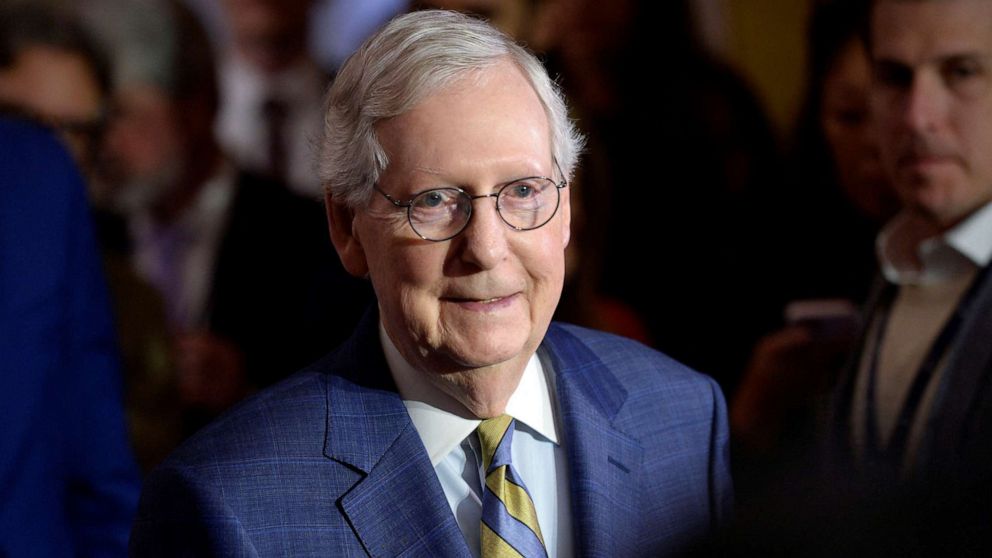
(53, 70)
(68, 481)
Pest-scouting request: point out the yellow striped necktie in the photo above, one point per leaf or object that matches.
(509, 521)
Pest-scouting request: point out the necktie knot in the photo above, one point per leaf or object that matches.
(509, 521)
(496, 438)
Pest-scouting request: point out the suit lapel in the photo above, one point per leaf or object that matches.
(398, 507)
(968, 366)
(604, 462)
(840, 427)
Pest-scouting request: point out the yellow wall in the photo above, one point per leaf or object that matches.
(765, 40)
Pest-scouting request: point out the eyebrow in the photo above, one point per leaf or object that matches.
(938, 59)
(967, 56)
(429, 170)
(433, 171)
(465, 188)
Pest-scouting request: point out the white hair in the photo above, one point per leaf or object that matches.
(410, 58)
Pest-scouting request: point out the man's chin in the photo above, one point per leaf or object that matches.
(482, 390)
(941, 212)
(483, 359)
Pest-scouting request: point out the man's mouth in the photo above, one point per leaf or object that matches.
(921, 156)
(474, 299)
(481, 303)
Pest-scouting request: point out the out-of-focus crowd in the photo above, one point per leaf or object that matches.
(695, 229)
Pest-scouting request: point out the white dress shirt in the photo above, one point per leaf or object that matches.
(447, 431)
(178, 257)
(932, 272)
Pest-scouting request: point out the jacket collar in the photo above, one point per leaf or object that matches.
(398, 505)
(957, 401)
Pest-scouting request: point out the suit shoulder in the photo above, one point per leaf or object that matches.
(632, 362)
(256, 482)
(284, 421)
(36, 168)
(650, 383)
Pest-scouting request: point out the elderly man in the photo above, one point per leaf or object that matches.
(919, 405)
(446, 158)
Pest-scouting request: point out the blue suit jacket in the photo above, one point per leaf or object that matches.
(328, 462)
(68, 482)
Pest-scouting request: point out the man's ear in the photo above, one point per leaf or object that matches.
(566, 216)
(341, 221)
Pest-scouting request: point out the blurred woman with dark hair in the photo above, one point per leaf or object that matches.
(842, 195)
(838, 200)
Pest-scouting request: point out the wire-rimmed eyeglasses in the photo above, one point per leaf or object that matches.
(441, 214)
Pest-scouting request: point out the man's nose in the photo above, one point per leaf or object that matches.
(484, 240)
(925, 103)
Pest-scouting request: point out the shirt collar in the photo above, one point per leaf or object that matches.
(911, 250)
(973, 237)
(442, 422)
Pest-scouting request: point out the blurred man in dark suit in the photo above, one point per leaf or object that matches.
(251, 286)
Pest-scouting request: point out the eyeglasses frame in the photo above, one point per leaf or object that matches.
(408, 205)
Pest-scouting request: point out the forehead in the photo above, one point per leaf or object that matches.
(54, 82)
(917, 32)
(485, 117)
(850, 68)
